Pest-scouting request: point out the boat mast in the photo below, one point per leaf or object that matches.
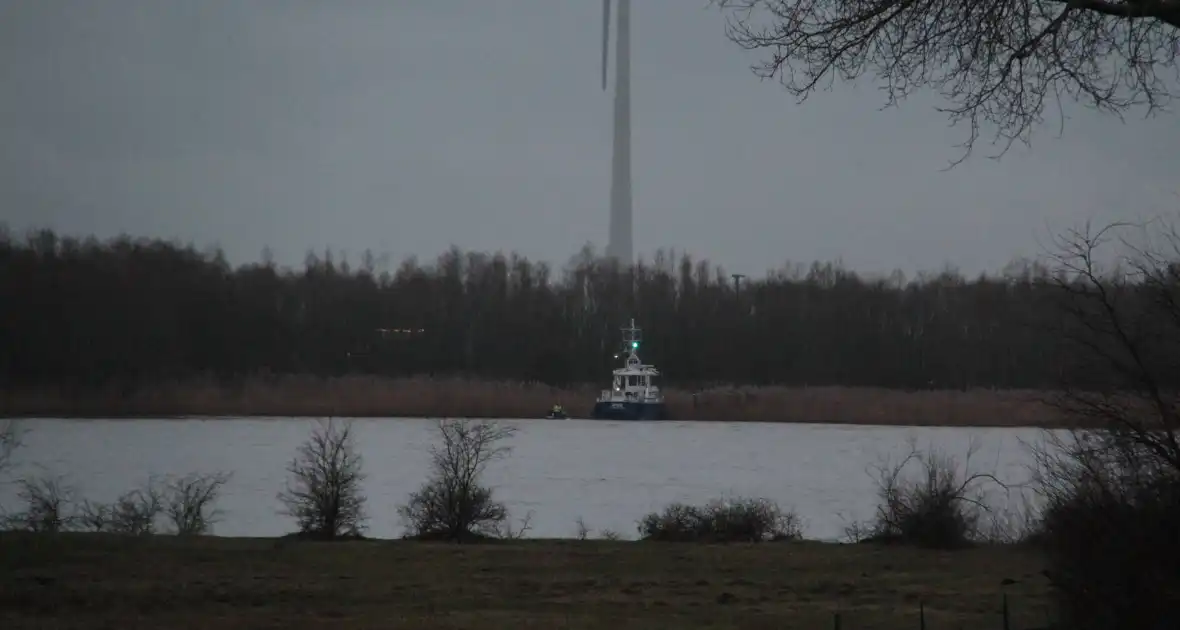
(631, 338)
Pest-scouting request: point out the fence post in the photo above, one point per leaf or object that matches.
(1004, 610)
(836, 621)
(921, 615)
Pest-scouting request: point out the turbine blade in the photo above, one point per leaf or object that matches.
(605, 37)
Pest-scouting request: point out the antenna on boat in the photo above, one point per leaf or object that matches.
(632, 336)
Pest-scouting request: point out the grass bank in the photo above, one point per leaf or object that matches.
(364, 396)
(96, 581)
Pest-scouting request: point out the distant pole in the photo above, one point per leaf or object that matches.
(620, 246)
(737, 283)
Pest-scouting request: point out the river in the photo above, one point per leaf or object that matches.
(609, 474)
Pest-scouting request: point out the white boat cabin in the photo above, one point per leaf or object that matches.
(635, 381)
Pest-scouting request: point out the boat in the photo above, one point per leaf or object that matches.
(634, 394)
(557, 413)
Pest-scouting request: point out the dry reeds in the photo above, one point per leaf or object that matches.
(373, 396)
(868, 406)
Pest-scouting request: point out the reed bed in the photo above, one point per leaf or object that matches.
(373, 396)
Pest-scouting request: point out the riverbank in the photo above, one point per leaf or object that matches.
(366, 396)
(96, 581)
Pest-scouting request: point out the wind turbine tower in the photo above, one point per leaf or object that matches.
(620, 245)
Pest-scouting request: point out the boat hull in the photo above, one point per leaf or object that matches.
(606, 410)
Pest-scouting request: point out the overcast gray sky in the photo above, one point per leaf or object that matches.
(407, 126)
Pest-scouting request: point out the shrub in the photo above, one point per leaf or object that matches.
(453, 505)
(583, 532)
(133, 513)
(1109, 530)
(734, 520)
(939, 507)
(188, 502)
(323, 493)
(48, 504)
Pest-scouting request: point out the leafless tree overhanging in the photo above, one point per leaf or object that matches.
(996, 62)
(1127, 318)
(1112, 495)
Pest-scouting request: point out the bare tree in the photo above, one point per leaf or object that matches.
(133, 513)
(1000, 62)
(188, 502)
(324, 493)
(1112, 493)
(10, 440)
(583, 531)
(93, 516)
(452, 504)
(517, 531)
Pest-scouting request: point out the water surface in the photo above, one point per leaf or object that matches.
(608, 473)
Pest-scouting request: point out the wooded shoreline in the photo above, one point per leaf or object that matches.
(371, 396)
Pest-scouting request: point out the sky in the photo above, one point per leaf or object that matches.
(409, 126)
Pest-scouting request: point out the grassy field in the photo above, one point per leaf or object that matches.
(93, 581)
(360, 396)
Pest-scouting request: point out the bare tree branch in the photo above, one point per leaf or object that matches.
(1127, 319)
(998, 63)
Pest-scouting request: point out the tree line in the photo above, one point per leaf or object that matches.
(83, 312)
